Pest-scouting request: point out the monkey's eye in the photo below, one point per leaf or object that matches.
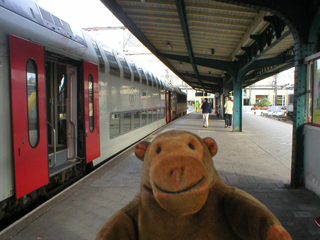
(158, 150)
(191, 146)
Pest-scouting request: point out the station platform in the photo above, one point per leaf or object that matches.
(257, 160)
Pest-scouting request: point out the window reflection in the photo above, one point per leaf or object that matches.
(126, 122)
(33, 106)
(136, 118)
(144, 117)
(91, 103)
(115, 125)
(114, 67)
(62, 91)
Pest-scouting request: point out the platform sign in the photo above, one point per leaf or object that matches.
(29, 123)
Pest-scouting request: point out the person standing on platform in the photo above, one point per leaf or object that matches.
(197, 106)
(228, 112)
(218, 112)
(205, 112)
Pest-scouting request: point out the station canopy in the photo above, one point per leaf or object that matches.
(209, 43)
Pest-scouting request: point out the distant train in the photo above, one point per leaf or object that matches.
(68, 102)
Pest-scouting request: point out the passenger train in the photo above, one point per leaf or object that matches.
(67, 103)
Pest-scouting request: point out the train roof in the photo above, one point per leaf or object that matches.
(34, 12)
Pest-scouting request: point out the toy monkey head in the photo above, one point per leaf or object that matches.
(178, 169)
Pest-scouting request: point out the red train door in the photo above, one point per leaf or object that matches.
(91, 99)
(28, 115)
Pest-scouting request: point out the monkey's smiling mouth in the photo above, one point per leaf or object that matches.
(181, 191)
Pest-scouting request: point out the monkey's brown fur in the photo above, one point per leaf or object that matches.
(182, 197)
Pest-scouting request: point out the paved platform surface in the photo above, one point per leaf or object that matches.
(256, 160)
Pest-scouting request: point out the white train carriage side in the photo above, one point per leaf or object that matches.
(67, 102)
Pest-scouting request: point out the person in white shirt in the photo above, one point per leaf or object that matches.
(228, 112)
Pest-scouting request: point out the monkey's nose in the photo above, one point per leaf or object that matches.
(177, 170)
(177, 175)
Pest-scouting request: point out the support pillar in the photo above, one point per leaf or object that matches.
(299, 118)
(237, 110)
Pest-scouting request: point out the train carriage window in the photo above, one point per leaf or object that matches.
(91, 103)
(159, 113)
(114, 67)
(101, 61)
(154, 113)
(114, 124)
(144, 117)
(143, 76)
(66, 26)
(155, 84)
(33, 105)
(136, 119)
(162, 113)
(46, 15)
(136, 76)
(125, 67)
(56, 21)
(149, 116)
(126, 122)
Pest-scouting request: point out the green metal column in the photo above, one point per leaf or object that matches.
(237, 111)
(299, 118)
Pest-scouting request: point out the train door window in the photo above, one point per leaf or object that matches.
(127, 122)
(136, 119)
(136, 76)
(101, 62)
(125, 67)
(143, 76)
(33, 106)
(115, 124)
(62, 95)
(144, 117)
(154, 113)
(114, 67)
(149, 116)
(91, 103)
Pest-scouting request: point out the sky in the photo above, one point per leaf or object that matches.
(81, 13)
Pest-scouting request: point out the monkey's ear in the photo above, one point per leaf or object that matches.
(140, 149)
(212, 145)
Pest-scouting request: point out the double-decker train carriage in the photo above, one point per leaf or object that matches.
(68, 102)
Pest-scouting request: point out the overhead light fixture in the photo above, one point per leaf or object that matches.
(212, 51)
(169, 45)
